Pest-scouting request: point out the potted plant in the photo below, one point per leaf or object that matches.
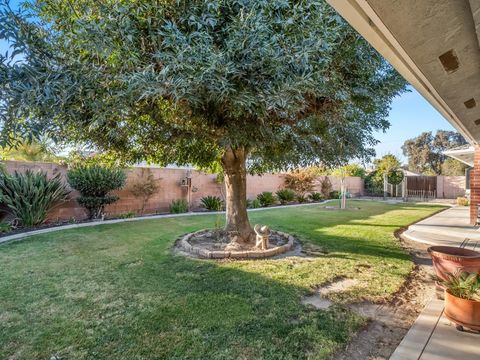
(462, 299)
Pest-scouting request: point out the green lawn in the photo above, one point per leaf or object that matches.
(118, 292)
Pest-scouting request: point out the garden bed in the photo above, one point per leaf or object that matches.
(215, 244)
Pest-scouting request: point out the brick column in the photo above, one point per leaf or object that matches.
(475, 186)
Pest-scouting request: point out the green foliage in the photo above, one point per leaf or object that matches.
(178, 206)
(285, 195)
(334, 194)
(390, 165)
(463, 285)
(301, 181)
(183, 81)
(5, 227)
(94, 183)
(30, 195)
(426, 152)
(325, 187)
(462, 201)
(316, 196)
(266, 198)
(253, 204)
(30, 150)
(127, 215)
(349, 170)
(453, 167)
(212, 203)
(301, 198)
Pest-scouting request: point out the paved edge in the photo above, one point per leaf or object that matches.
(21, 236)
(416, 339)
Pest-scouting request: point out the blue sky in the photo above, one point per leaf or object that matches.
(410, 115)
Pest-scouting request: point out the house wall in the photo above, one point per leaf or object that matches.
(169, 182)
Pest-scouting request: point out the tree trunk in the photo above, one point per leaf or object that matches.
(235, 172)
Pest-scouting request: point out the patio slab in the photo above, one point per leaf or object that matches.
(434, 337)
(450, 227)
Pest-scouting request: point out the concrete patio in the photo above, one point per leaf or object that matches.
(433, 336)
(450, 228)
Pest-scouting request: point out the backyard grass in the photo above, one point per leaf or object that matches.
(118, 291)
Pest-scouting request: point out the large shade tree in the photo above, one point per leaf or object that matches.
(256, 85)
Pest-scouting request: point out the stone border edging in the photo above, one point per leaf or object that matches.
(247, 254)
(21, 236)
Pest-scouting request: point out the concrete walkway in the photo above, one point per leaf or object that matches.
(450, 227)
(434, 337)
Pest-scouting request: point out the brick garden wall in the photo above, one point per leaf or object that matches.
(169, 181)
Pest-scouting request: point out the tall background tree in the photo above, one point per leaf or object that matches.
(425, 153)
(281, 84)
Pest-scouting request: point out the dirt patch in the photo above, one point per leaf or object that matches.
(389, 322)
(318, 299)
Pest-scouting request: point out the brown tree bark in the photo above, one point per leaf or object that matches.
(235, 172)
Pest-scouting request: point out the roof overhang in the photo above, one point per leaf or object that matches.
(463, 154)
(412, 34)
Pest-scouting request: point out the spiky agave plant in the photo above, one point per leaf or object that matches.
(30, 195)
(464, 285)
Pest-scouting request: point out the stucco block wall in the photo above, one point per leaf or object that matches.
(169, 188)
(450, 187)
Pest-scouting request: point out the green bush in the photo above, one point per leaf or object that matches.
(179, 206)
(253, 204)
(316, 196)
(30, 195)
(212, 203)
(94, 183)
(334, 194)
(5, 227)
(301, 198)
(285, 195)
(266, 198)
(462, 201)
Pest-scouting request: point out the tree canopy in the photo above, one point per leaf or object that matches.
(425, 153)
(281, 84)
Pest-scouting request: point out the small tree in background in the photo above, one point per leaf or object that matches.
(348, 170)
(95, 183)
(326, 187)
(300, 181)
(145, 188)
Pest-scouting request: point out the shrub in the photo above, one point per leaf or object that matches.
(178, 206)
(463, 285)
(212, 203)
(334, 194)
(301, 199)
(5, 227)
(144, 189)
(127, 215)
(325, 187)
(253, 204)
(315, 196)
(300, 181)
(94, 183)
(266, 198)
(285, 195)
(30, 195)
(462, 201)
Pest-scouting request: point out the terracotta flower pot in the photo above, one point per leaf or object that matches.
(463, 312)
(449, 259)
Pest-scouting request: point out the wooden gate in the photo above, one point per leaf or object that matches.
(421, 187)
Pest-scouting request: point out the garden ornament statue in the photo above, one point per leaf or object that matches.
(262, 232)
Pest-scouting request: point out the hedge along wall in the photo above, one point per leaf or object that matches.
(169, 188)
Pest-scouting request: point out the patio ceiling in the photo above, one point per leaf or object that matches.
(434, 44)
